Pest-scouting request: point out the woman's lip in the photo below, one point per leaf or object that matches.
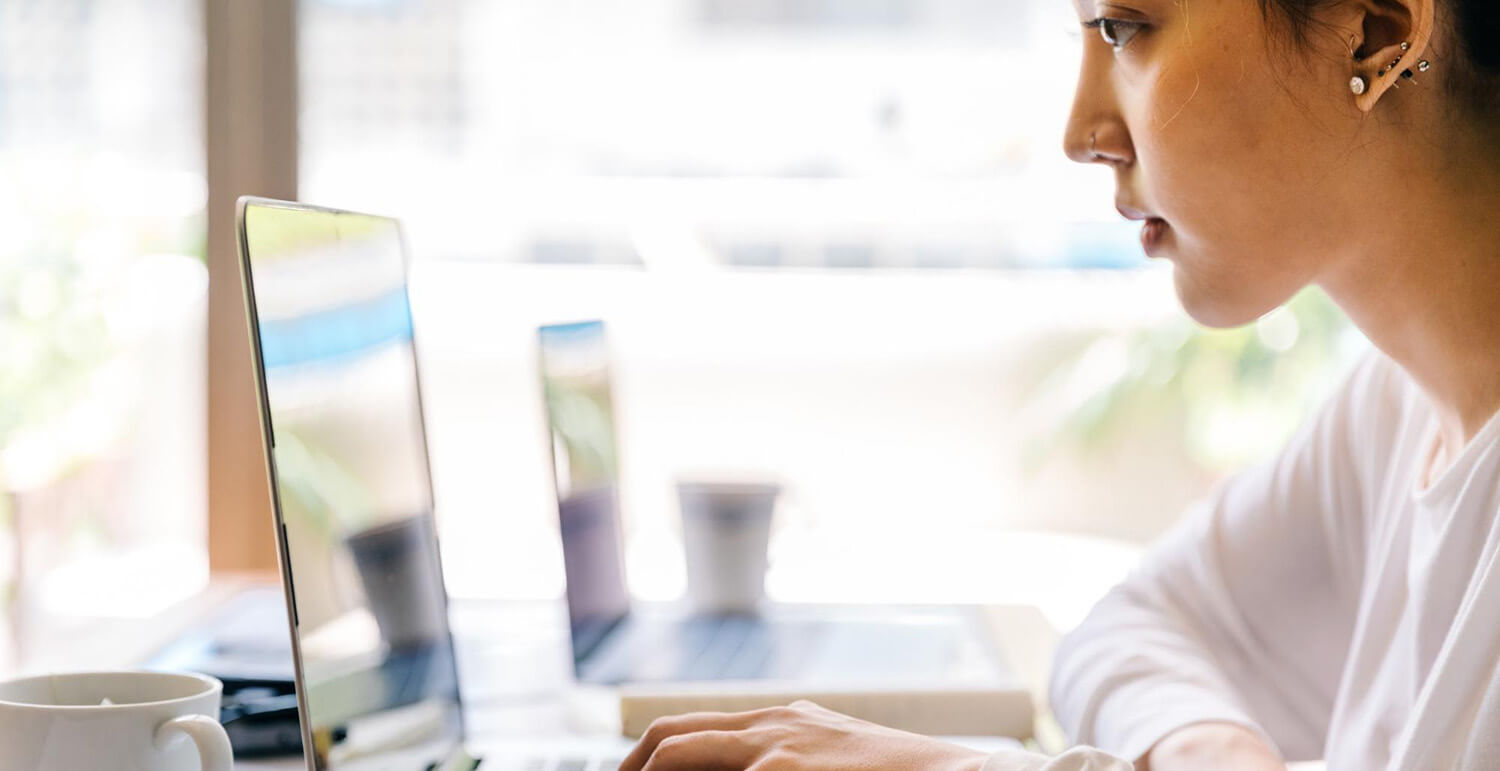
(1152, 235)
(1130, 212)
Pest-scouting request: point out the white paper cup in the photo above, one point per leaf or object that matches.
(726, 528)
(88, 720)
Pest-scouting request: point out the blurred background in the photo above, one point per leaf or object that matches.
(835, 241)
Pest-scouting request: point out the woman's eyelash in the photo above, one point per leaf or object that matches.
(1116, 32)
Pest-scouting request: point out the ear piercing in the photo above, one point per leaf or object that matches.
(1422, 65)
(1358, 85)
(1395, 61)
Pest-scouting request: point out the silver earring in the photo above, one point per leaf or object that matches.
(1422, 66)
(1405, 46)
(1356, 83)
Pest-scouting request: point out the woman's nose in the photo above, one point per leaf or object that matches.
(1098, 141)
(1096, 133)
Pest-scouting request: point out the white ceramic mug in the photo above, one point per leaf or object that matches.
(113, 720)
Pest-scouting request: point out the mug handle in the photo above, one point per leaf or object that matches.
(214, 752)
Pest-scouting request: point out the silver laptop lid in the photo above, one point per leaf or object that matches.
(337, 380)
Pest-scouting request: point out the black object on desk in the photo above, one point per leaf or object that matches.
(246, 646)
(261, 723)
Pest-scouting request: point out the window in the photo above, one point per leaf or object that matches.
(102, 292)
(851, 135)
(835, 241)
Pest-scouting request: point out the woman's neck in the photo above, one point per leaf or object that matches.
(1424, 286)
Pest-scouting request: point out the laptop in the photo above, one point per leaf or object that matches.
(616, 641)
(340, 399)
(376, 674)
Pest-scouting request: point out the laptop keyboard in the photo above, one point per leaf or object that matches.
(747, 648)
(533, 763)
(712, 646)
(715, 648)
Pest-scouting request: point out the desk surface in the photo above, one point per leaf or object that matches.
(542, 701)
(1024, 634)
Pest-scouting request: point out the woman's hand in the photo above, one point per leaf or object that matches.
(803, 736)
(1212, 745)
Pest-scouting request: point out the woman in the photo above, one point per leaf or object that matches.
(1343, 600)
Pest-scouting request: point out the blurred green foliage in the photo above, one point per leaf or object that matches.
(1231, 396)
(52, 338)
(60, 260)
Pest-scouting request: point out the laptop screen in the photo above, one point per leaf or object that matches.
(329, 311)
(574, 363)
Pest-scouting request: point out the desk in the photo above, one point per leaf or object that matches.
(1023, 633)
(528, 639)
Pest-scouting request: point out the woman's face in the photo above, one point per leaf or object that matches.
(1236, 146)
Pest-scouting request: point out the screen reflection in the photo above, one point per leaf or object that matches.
(352, 486)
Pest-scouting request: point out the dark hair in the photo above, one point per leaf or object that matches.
(1473, 61)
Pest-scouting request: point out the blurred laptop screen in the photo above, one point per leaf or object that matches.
(574, 362)
(352, 485)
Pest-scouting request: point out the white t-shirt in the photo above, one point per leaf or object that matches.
(1330, 599)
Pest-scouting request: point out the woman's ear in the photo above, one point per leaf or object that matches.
(1389, 39)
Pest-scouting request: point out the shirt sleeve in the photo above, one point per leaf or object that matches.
(1243, 612)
